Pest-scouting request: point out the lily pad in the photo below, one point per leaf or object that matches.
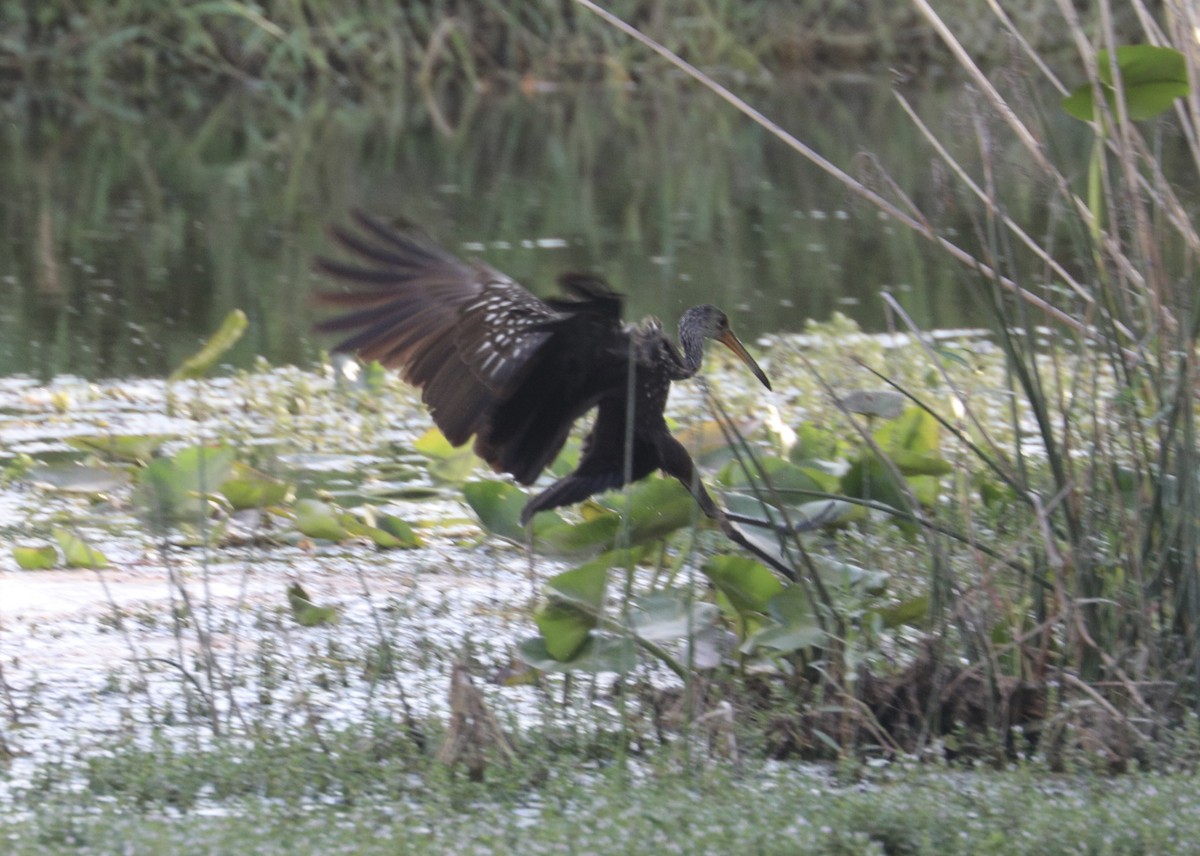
(666, 615)
(77, 553)
(446, 463)
(600, 653)
(249, 488)
(317, 519)
(75, 478)
(130, 448)
(178, 489)
(35, 558)
(307, 613)
(748, 585)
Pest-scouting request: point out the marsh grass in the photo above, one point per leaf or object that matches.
(289, 48)
(1088, 582)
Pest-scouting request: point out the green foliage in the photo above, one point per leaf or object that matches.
(447, 464)
(78, 553)
(317, 519)
(1152, 78)
(227, 335)
(180, 489)
(305, 612)
(249, 488)
(35, 558)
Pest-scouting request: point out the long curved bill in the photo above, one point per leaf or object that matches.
(734, 344)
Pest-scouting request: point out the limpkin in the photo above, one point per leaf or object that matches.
(495, 362)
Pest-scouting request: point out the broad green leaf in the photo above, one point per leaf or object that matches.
(132, 448)
(249, 488)
(177, 489)
(669, 615)
(307, 613)
(555, 535)
(914, 431)
(227, 335)
(75, 478)
(564, 628)
(793, 625)
(748, 585)
(656, 507)
(919, 463)
(884, 403)
(35, 558)
(788, 479)
(1151, 78)
(908, 613)
(813, 443)
(77, 553)
(869, 478)
(318, 519)
(498, 506)
(785, 639)
(598, 654)
(399, 530)
(839, 574)
(446, 463)
(830, 512)
(584, 586)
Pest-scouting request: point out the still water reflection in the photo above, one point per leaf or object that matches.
(131, 230)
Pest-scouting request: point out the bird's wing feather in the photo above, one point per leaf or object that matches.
(491, 359)
(415, 307)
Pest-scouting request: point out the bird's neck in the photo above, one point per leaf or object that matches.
(691, 341)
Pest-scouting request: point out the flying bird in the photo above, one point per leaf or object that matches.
(516, 372)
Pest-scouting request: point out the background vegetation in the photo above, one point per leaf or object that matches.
(987, 555)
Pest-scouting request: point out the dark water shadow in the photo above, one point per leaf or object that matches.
(131, 230)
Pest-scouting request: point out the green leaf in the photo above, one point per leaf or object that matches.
(908, 613)
(813, 443)
(597, 654)
(793, 625)
(564, 628)
(1151, 78)
(498, 506)
(400, 531)
(317, 519)
(74, 478)
(748, 585)
(307, 613)
(869, 478)
(250, 488)
(838, 574)
(884, 403)
(919, 463)
(77, 553)
(914, 431)
(35, 558)
(584, 586)
(131, 448)
(667, 615)
(177, 489)
(447, 463)
(656, 507)
(555, 535)
(785, 476)
(227, 335)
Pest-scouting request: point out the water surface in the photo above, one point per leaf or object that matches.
(131, 229)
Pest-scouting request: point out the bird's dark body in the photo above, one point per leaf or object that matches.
(516, 372)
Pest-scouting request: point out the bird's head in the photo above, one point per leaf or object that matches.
(708, 322)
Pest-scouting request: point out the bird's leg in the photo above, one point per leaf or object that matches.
(678, 463)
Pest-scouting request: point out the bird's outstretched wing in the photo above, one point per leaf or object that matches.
(491, 359)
